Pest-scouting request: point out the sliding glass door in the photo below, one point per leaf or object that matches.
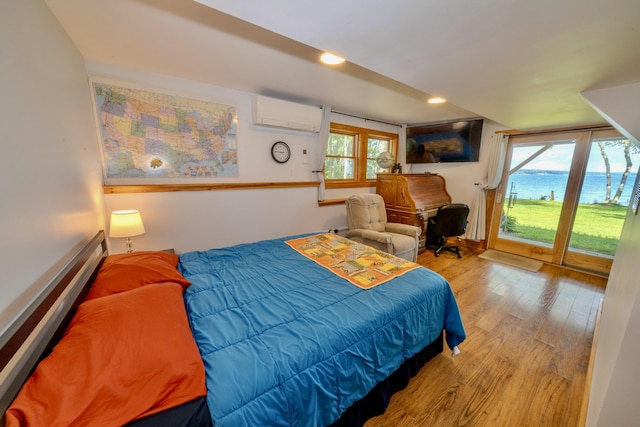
(562, 197)
(538, 182)
(605, 194)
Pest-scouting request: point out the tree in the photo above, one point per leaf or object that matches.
(607, 167)
(628, 148)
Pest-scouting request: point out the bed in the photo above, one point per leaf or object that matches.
(279, 333)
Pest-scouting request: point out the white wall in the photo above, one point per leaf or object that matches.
(619, 105)
(616, 379)
(49, 166)
(205, 219)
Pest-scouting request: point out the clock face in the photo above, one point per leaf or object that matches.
(280, 152)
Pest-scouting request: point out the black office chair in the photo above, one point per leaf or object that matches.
(450, 221)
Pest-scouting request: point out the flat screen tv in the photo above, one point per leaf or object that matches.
(445, 142)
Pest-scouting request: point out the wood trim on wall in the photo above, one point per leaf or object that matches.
(349, 184)
(122, 189)
(328, 202)
(515, 132)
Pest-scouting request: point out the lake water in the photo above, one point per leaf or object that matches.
(537, 184)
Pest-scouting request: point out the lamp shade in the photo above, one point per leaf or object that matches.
(126, 224)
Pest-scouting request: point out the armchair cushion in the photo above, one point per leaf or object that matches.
(376, 236)
(406, 229)
(366, 211)
(375, 239)
(367, 220)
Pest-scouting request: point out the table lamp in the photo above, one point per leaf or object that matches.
(127, 223)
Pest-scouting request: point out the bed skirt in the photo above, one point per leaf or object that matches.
(377, 400)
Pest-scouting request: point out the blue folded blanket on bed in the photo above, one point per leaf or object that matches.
(285, 342)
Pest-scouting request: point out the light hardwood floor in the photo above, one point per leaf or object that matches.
(525, 359)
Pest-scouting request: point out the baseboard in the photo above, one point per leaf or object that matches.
(476, 244)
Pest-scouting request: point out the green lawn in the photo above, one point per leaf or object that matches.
(596, 228)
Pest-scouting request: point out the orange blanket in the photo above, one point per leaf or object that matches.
(360, 264)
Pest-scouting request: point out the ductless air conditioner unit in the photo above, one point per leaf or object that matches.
(277, 113)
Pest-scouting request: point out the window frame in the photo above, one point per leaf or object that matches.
(362, 136)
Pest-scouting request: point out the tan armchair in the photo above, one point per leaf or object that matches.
(367, 220)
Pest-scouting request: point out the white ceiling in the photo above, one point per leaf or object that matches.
(522, 64)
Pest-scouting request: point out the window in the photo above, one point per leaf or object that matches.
(351, 155)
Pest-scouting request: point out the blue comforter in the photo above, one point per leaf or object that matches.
(285, 342)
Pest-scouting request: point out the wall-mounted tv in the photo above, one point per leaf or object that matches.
(445, 142)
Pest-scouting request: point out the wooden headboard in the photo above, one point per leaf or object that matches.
(34, 331)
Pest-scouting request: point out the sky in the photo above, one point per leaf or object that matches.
(559, 158)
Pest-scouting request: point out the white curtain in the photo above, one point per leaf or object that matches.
(496, 160)
(323, 142)
(476, 229)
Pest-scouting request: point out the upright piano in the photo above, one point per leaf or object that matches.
(412, 198)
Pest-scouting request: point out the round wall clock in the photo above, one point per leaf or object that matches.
(280, 152)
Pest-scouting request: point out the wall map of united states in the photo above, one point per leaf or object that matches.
(152, 135)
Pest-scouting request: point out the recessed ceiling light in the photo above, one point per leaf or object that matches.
(331, 59)
(436, 100)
